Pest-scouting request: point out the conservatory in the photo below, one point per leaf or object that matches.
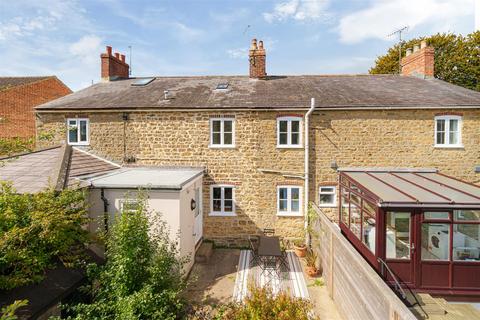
(420, 224)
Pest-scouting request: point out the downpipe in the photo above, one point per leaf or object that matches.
(105, 209)
(307, 171)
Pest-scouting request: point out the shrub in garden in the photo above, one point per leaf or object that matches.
(142, 277)
(38, 230)
(262, 304)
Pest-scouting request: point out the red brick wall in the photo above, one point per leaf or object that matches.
(17, 118)
(420, 63)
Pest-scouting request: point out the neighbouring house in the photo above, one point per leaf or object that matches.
(18, 98)
(173, 193)
(269, 145)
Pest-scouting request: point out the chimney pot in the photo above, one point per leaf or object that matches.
(109, 50)
(254, 44)
(117, 55)
(409, 51)
(122, 57)
(260, 44)
(416, 48)
(423, 44)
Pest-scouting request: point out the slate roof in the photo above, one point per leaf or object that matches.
(277, 92)
(10, 82)
(56, 167)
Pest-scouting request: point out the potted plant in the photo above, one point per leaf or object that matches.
(300, 248)
(311, 261)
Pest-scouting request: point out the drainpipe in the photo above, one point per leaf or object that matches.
(105, 209)
(307, 172)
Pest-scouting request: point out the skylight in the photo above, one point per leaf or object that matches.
(222, 86)
(142, 82)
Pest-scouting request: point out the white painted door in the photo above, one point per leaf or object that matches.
(198, 226)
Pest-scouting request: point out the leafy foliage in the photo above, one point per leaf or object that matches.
(262, 304)
(142, 277)
(8, 312)
(9, 146)
(36, 230)
(457, 58)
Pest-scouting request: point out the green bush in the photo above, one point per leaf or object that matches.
(262, 304)
(9, 146)
(8, 312)
(37, 230)
(142, 277)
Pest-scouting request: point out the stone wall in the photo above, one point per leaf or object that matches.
(398, 138)
(182, 139)
(393, 138)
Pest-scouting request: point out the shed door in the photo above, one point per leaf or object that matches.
(198, 226)
(400, 246)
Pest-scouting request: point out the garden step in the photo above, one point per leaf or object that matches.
(204, 252)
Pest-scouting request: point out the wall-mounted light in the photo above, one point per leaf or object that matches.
(193, 204)
(334, 165)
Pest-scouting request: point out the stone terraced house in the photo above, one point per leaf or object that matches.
(264, 140)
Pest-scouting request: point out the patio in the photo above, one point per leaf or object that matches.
(225, 276)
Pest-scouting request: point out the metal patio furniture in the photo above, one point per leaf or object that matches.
(254, 243)
(270, 256)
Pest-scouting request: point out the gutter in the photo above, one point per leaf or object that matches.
(307, 167)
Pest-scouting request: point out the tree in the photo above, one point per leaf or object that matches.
(457, 58)
(38, 229)
(142, 277)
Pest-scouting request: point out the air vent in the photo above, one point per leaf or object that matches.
(142, 82)
(222, 86)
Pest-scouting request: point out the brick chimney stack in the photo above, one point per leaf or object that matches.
(257, 57)
(419, 61)
(113, 66)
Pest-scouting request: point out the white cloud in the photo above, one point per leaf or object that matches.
(238, 53)
(382, 17)
(300, 10)
(87, 48)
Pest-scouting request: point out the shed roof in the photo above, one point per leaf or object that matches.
(415, 188)
(277, 92)
(55, 167)
(173, 178)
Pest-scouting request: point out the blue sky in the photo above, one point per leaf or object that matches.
(207, 37)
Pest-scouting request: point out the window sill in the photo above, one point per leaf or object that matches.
(289, 146)
(447, 146)
(221, 214)
(78, 144)
(221, 146)
(327, 205)
(289, 214)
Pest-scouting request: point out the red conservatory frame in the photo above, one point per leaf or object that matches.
(450, 278)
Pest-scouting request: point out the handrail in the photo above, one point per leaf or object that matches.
(397, 283)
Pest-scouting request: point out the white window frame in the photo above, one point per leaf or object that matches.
(77, 121)
(334, 193)
(222, 212)
(222, 133)
(129, 201)
(289, 132)
(289, 212)
(447, 144)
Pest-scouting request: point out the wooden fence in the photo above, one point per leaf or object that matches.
(358, 291)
